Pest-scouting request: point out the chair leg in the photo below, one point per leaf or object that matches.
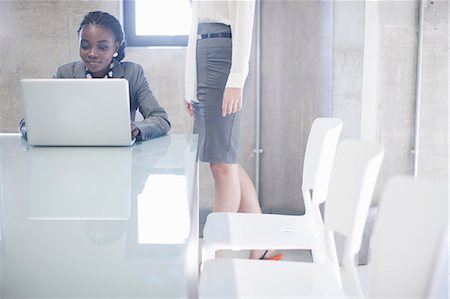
(319, 254)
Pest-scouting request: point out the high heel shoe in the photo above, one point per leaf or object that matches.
(275, 257)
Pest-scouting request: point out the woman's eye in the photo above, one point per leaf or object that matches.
(103, 48)
(84, 46)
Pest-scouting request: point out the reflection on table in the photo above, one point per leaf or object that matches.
(79, 222)
(75, 183)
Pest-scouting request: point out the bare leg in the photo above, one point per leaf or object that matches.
(249, 199)
(249, 202)
(227, 187)
(234, 191)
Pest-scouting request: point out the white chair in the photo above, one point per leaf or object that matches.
(439, 287)
(239, 231)
(351, 186)
(409, 260)
(407, 239)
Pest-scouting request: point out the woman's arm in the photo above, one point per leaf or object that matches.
(190, 77)
(156, 121)
(241, 21)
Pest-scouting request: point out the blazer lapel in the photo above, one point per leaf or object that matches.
(118, 69)
(79, 71)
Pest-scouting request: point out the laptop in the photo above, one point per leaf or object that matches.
(78, 183)
(77, 112)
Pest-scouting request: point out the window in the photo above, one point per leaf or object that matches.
(157, 22)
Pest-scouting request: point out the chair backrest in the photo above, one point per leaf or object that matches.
(352, 182)
(439, 277)
(319, 156)
(411, 223)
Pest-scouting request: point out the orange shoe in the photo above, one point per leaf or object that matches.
(275, 257)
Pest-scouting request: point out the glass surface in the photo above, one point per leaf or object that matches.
(98, 222)
(75, 183)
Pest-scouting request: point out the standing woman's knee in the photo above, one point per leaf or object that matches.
(222, 169)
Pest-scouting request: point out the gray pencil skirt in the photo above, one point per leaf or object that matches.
(218, 136)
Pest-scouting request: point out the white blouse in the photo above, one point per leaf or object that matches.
(239, 15)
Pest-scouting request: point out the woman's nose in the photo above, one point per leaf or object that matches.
(92, 53)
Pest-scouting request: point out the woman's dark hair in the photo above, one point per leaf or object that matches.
(108, 21)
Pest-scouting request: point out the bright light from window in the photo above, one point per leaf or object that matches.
(163, 17)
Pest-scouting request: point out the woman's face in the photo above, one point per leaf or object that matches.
(97, 46)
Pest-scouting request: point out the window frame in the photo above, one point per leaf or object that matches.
(133, 40)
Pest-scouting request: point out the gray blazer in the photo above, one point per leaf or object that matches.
(155, 122)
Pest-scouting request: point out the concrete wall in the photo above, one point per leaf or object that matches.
(375, 52)
(348, 49)
(296, 87)
(316, 60)
(434, 121)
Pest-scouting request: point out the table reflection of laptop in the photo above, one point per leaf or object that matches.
(79, 183)
(77, 112)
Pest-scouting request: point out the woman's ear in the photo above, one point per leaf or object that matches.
(116, 51)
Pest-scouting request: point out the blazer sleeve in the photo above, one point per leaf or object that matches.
(156, 121)
(58, 74)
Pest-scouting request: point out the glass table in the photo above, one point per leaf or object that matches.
(99, 222)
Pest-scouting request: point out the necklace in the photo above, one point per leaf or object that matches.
(109, 73)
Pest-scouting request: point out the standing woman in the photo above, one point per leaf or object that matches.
(217, 65)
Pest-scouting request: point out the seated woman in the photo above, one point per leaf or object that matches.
(102, 48)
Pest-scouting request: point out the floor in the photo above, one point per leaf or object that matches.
(288, 255)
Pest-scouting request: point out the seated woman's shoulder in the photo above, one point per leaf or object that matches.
(69, 70)
(132, 70)
(131, 66)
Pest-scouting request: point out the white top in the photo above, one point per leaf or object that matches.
(239, 15)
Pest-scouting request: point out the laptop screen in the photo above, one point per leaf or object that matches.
(77, 112)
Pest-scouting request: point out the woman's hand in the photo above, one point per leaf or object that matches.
(134, 130)
(232, 100)
(188, 107)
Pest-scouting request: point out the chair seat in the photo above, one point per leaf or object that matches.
(267, 231)
(269, 279)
